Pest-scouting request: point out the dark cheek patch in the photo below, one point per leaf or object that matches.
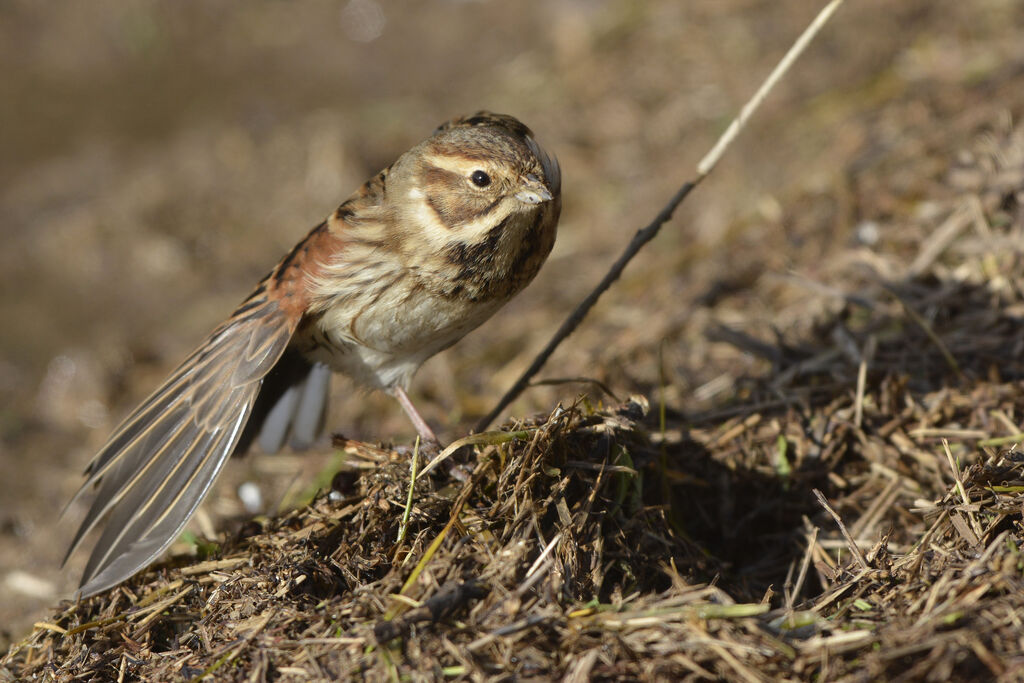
(454, 213)
(447, 196)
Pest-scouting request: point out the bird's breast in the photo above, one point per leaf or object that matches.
(382, 340)
(379, 313)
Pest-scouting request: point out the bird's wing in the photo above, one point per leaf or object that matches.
(160, 463)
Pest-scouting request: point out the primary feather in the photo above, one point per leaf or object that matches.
(163, 458)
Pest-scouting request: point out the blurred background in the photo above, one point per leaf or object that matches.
(157, 158)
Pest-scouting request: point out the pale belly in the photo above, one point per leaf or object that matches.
(381, 345)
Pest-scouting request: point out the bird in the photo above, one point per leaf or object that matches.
(424, 252)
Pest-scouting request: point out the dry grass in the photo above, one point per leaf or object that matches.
(855, 514)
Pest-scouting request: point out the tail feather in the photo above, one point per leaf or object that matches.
(308, 420)
(273, 432)
(291, 406)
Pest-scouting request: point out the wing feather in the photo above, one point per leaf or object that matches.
(160, 463)
(133, 550)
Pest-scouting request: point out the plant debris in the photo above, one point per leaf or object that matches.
(866, 526)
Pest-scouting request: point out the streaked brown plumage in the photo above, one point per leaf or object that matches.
(420, 255)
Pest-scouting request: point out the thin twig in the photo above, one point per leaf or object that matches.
(646, 234)
(862, 376)
(957, 481)
(711, 159)
(802, 576)
(854, 548)
(959, 485)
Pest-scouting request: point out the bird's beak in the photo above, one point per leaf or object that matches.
(533, 191)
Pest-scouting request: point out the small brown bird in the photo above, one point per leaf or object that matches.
(420, 255)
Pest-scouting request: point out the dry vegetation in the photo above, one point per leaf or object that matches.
(818, 477)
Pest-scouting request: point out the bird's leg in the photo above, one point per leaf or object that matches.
(430, 440)
(430, 445)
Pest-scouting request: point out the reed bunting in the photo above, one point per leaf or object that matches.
(421, 254)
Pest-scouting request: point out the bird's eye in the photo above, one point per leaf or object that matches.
(480, 179)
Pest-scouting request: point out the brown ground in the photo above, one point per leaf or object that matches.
(838, 297)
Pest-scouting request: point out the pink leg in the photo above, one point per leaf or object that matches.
(425, 432)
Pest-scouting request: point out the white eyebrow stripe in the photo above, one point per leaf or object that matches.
(462, 166)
